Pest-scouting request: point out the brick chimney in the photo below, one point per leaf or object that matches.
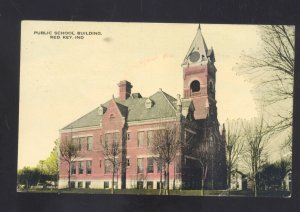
(124, 89)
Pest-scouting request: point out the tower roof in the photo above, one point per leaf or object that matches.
(198, 45)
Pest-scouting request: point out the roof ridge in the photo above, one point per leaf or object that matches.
(164, 94)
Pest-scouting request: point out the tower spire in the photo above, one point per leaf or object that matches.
(198, 49)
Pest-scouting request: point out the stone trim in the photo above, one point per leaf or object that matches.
(152, 121)
(79, 129)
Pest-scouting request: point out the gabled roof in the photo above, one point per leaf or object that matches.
(90, 119)
(133, 109)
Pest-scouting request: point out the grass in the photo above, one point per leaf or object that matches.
(156, 192)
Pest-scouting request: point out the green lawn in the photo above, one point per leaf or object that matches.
(156, 192)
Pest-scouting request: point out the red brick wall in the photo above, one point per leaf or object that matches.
(200, 99)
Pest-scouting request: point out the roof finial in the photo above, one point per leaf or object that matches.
(199, 27)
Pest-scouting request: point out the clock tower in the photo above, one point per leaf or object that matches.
(199, 78)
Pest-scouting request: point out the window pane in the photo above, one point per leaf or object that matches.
(149, 185)
(116, 166)
(88, 184)
(116, 137)
(73, 168)
(108, 138)
(140, 139)
(75, 141)
(128, 162)
(158, 166)
(150, 165)
(106, 184)
(107, 166)
(81, 143)
(89, 167)
(80, 167)
(72, 184)
(140, 168)
(89, 143)
(128, 136)
(149, 138)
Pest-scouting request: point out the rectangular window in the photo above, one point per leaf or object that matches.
(149, 165)
(89, 167)
(116, 185)
(73, 168)
(100, 163)
(108, 138)
(81, 143)
(107, 166)
(128, 136)
(149, 185)
(116, 165)
(128, 162)
(80, 167)
(178, 164)
(72, 184)
(80, 184)
(158, 166)
(75, 141)
(150, 138)
(88, 184)
(89, 143)
(140, 167)
(101, 139)
(106, 184)
(158, 185)
(140, 184)
(140, 140)
(116, 137)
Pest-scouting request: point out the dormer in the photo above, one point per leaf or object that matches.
(148, 103)
(101, 110)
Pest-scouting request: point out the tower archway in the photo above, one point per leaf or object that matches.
(195, 86)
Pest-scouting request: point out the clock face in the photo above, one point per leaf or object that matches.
(194, 56)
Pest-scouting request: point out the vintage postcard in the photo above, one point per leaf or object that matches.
(156, 109)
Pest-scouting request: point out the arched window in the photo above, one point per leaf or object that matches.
(195, 86)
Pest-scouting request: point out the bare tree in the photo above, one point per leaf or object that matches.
(271, 69)
(159, 162)
(203, 153)
(112, 152)
(256, 137)
(166, 143)
(234, 146)
(69, 151)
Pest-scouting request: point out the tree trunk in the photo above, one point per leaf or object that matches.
(69, 177)
(168, 179)
(174, 176)
(229, 177)
(113, 178)
(160, 182)
(202, 187)
(165, 181)
(255, 186)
